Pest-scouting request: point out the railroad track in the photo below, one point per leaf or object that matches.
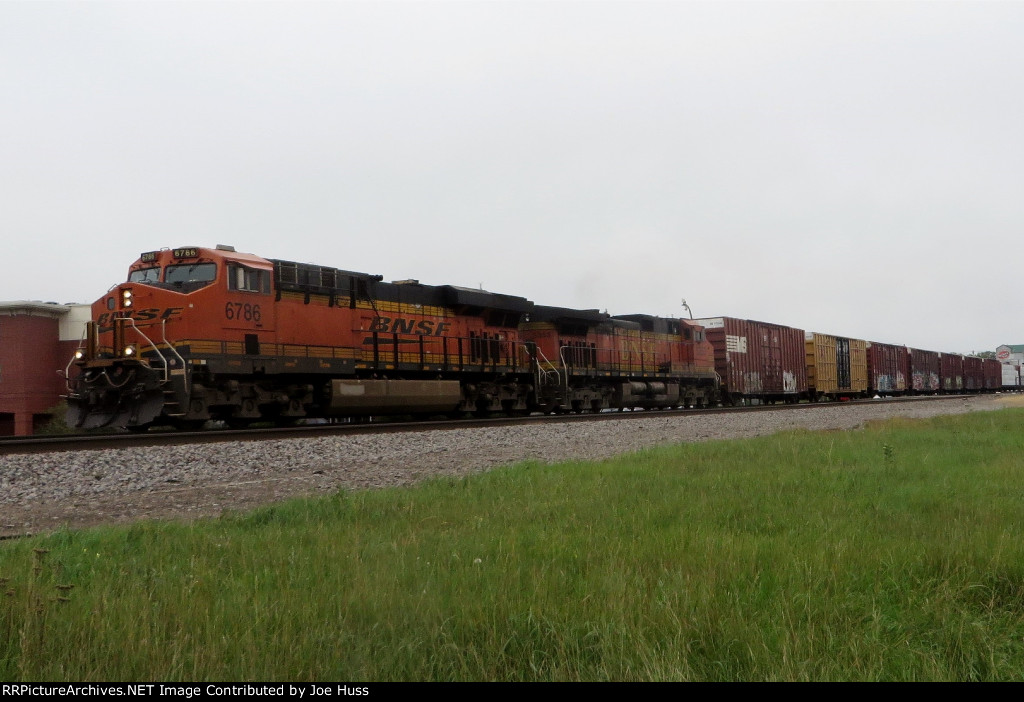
(87, 442)
(78, 488)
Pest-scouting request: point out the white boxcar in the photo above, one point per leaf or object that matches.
(1011, 375)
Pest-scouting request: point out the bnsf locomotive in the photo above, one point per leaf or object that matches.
(196, 334)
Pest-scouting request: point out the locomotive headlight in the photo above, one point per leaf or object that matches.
(129, 351)
(79, 355)
(126, 298)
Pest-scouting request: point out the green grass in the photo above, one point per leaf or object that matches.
(892, 553)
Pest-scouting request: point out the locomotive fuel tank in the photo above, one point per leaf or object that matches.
(354, 397)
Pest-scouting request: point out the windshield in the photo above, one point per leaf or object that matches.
(192, 273)
(145, 275)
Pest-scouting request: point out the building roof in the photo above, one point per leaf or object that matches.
(35, 308)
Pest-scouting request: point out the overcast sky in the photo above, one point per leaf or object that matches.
(854, 168)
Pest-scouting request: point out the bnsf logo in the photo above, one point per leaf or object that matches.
(147, 315)
(398, 325)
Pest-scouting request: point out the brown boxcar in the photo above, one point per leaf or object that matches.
(974, 374)
(887, 369)
(924, 370)
(757, 360)
(993, 372)
(836, 366)
(951, 369)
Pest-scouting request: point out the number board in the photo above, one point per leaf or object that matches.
(149, 256)
(185, 253)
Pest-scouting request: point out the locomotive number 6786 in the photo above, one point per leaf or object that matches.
(210, 333)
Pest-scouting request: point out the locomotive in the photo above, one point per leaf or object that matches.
(198, 334)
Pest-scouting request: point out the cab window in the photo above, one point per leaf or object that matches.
(191, 276)
(145, 275)
(248, 279)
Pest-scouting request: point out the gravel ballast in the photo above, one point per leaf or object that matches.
(42, 492)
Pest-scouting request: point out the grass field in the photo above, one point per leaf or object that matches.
(890, 553)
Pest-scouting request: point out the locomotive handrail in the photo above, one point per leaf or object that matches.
(67, 368)
(167, 374)
(129, 378)
(628, 357)
(67, 374)
(551, 366)
(163, 333)
(633, 348)
(641, 353)
(621, 358)
(561, 355)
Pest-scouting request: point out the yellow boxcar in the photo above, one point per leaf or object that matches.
(836, 366)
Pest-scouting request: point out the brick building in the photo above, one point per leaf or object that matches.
(37, 339)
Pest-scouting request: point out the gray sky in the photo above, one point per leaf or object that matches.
(852, 168)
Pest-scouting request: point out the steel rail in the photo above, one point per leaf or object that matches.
(92, 442)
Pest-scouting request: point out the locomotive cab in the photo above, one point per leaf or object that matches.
(134, 363)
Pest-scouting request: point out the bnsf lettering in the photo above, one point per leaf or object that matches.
(147, 315)
(423, 327)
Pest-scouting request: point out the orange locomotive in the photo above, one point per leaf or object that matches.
(592, 361)
(198, 334)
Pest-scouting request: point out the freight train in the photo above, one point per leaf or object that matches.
(197, 334)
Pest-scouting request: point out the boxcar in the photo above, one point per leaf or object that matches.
(757, 360)
(887, 369)
(836, 366)
(974, 375)
(951, 372)
(993, 373)
(924, 370)
(1011, 376)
